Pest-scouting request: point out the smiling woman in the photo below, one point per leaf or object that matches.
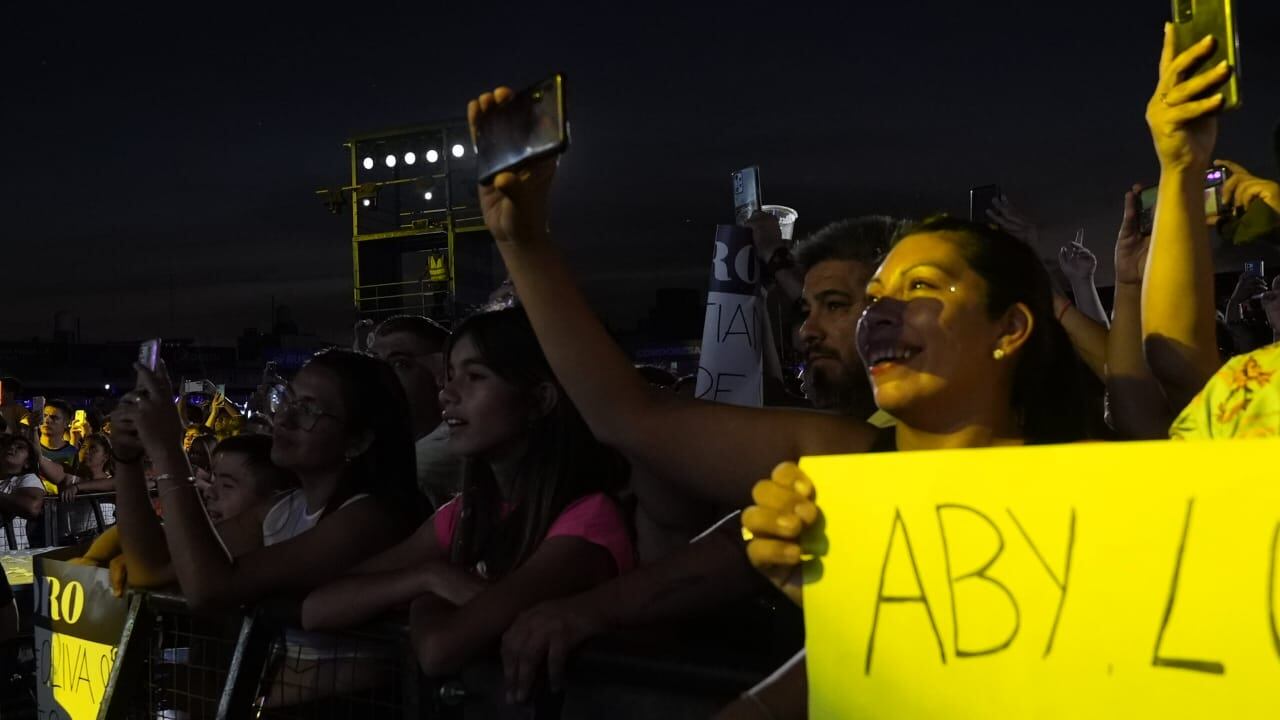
(960, 334)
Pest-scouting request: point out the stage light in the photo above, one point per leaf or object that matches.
(368, 163)
(457, 151)
(367, 196)
(410, 158)
(426, 195)
(107, 387)
(391, 161)
(432, 156)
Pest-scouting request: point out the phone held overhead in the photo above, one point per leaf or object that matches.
(530, 125)
(1195, 19)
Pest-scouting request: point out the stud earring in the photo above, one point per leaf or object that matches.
(998, 354)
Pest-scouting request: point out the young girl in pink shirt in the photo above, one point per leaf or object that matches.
(534, 520)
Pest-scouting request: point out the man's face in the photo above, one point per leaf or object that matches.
(420, 369)
(55, 423)
(833, 299)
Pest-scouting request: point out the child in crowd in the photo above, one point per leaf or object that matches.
(245, 486)
(534, 520)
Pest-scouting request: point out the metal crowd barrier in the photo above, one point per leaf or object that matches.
(176, 664)
(60, 523)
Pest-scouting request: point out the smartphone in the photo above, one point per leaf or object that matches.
(149, 354)
(982, 199)
(37, 407)
(530, 125)
(1192, 20)
(1256, 268)
(746, 193)
(1214, 177)
(1213, 180)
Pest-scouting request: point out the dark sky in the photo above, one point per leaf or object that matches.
(161, 168)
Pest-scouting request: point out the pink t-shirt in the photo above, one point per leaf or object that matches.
(594, 518)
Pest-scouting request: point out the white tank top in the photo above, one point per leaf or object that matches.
(289, 518)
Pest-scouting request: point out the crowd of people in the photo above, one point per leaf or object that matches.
(515, 484)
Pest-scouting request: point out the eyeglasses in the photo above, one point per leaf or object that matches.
(302, 413)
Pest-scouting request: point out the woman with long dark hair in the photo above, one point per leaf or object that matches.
(962, 347)
(534, 519)
(343, 431)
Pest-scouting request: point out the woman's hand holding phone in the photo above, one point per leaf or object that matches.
(515, 205)
(1183, 127)
(1242, 187)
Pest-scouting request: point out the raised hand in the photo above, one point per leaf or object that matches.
(1077, 261)
(1007, 218)
(1184, 128)
(1131, 244)
(1271, 306)
(515, 204)
(784, 508)
(1242, 188)
(147, 415)
(765, 234)
(1248, 286)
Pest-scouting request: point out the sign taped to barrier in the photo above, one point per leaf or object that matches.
(1108, 580)
(77, 625)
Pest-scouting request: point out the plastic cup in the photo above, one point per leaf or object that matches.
(786, 219)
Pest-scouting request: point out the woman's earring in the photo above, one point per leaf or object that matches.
(998, 354)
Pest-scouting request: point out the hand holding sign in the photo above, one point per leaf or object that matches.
(783, 510)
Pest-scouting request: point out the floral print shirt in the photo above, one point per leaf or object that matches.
(1240, 401)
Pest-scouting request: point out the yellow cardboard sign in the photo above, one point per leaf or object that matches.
(1111, 580)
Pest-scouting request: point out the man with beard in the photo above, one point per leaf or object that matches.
(836, 262)
(828, 276)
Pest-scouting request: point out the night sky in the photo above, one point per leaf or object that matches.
(161, 168)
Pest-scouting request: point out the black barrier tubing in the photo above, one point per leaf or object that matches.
(247, 663)
(129, 668)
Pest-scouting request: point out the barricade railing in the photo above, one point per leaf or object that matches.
(174, 663)
(61, 523)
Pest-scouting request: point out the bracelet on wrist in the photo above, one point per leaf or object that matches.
(167, 478)
(179, 486)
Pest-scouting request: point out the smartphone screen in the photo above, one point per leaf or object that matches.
(1256, 268)
(982, 199)
(1213, 180)
(1192, 20)
(81, 416)
(531, 124)
(746, 193)
(149, 354)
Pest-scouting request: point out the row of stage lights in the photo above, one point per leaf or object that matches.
(410, 158)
